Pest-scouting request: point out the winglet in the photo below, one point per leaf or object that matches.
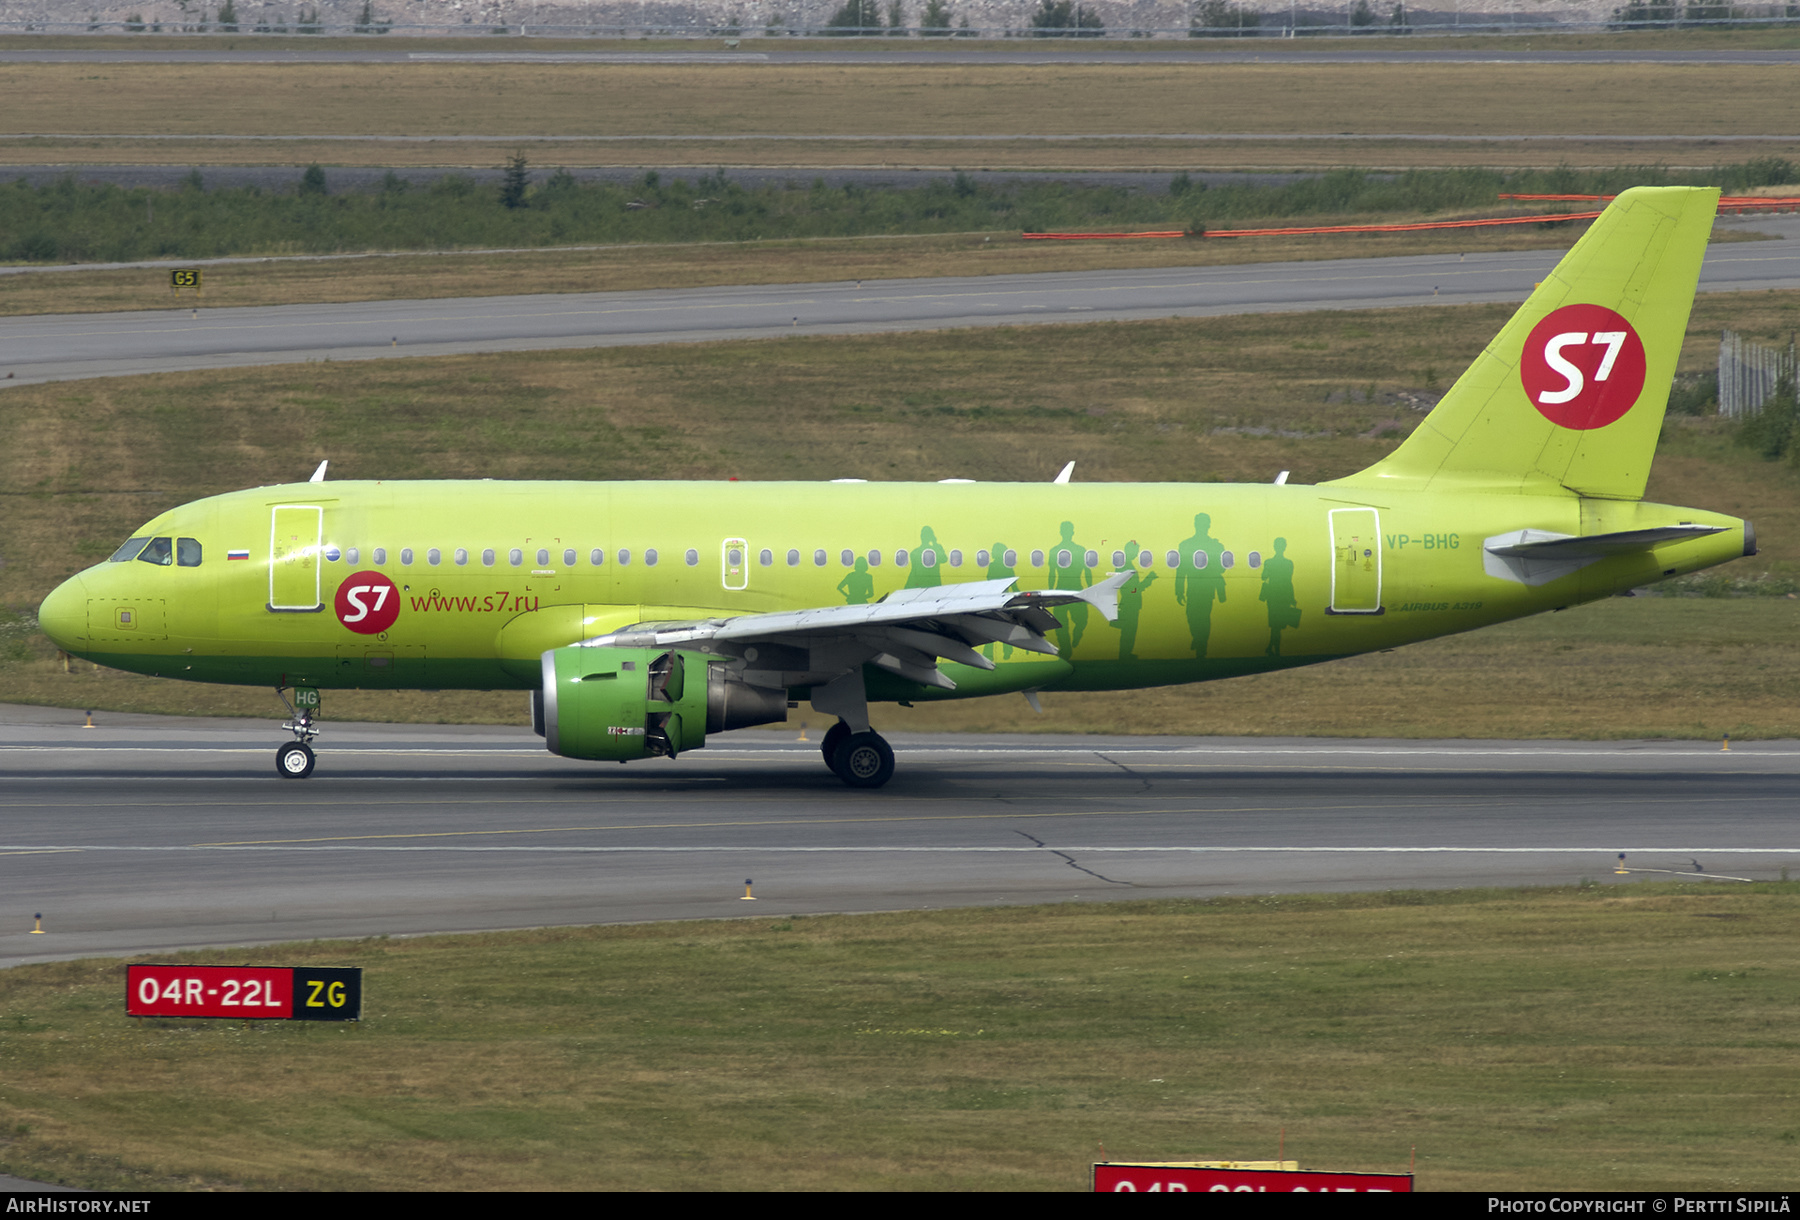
(318, 476)
(1066, 472)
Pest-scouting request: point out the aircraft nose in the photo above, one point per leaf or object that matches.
(63, 616)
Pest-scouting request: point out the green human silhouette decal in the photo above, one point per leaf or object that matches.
(1199, 578)
(927, 575)
(999, 569)
(1131, 600)
(858, 587)
(1067, 561)
(1278, 594)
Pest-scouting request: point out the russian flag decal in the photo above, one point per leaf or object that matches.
(237, 555)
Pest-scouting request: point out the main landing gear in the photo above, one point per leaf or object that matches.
(295, 759)
(862, 760)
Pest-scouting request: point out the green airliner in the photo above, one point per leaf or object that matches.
(644, 616)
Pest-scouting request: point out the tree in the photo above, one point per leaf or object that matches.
(935, 22)
(514, 179)
(1362, 15)
(1398, 20)
(856, 17)
(1064, 19)
(1222, 19)
(366, 22)
(228, 19)
(312, 182)
(896, 18)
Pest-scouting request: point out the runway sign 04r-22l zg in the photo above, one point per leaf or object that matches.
(263, 993)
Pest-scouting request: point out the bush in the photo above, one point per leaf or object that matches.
(1770, 432)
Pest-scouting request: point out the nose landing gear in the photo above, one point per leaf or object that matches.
(295, 759)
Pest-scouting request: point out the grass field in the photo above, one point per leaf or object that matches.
(697, 264)
(1228, 399)
(1618, 1037)
(474, 113)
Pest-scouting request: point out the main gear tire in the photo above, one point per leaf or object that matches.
(864, 760)
(832, 741)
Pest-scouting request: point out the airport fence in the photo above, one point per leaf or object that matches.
(1749, 373)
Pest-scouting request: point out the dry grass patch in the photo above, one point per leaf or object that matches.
(884, 100)
(702, 264)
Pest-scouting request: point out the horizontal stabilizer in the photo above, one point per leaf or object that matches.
(1536, 557)
(1542, 544)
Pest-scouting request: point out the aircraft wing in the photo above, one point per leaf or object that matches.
(906, 633)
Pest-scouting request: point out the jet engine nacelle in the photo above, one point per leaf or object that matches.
(626, 703)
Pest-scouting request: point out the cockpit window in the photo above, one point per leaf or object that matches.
(129, 550)
(187, 552)
(160, 551)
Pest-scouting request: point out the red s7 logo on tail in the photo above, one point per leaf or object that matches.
(367, 603)
(1583, 367)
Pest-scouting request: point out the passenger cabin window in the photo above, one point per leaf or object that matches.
(187, 552)
(900, 558)
(543, 558)
(129, 550)
(380, 555)
(956, 559)
(766, 558)
(848, 559)
(981, 559)
(352, 555)
(406, 556)
(461, 556)
(624, 556)
(1012, 558)
(1092, 558)
(793, 559)
(1037, 559)
(692, 557)
(928, 557)
(568, 559)
(515, 557)
(487, 558)
(650, 556)
(818, 559)
(161, 552)
(597, 557)
(434, 557)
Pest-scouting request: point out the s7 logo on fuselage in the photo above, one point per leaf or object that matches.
(367, 603)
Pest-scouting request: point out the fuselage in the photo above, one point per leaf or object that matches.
(462, 585)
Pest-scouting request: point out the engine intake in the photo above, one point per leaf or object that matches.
(625, 703)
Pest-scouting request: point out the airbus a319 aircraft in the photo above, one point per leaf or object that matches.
(643, 617)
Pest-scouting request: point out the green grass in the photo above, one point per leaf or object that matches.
(67, 221)
(1635, 1037)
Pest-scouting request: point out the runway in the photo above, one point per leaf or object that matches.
(65, 347)
(150, 834)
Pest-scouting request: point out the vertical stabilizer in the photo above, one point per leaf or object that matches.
(1570, 395)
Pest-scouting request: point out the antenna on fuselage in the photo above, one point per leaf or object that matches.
(318, 476)
(1066, 472)
(1281, 479)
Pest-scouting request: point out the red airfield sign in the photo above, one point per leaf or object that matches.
(265, 993)
(1190, 1178)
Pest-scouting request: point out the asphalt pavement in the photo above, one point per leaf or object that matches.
(64, 347)
(149, 834)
